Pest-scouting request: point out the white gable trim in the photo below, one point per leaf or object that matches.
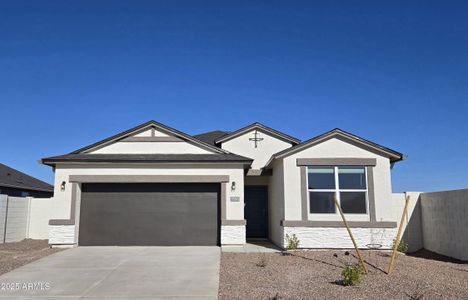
(262, 128)
(348, 138)
(172, 133)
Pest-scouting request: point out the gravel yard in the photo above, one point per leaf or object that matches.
(314, 275)
(14, 255)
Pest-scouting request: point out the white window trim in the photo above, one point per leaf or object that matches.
(336, 190)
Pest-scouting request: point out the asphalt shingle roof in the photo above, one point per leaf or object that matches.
(10, 177)
(211, 136)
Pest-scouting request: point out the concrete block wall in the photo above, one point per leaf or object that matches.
(445, 223)
(17, 219)
(436, 221)
(3, 205)
(24, 217)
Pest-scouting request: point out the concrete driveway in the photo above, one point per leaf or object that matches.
(118, 272)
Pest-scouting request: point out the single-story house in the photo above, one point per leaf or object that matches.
(18, 184)
(155, 185)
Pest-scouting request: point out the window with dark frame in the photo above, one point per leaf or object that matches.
(348, 183)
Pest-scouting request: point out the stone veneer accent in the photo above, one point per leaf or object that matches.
(62, 234)
(232, 235)
(65, 234)
(326, 237)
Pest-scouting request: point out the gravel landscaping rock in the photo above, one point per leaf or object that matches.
(316, 275)
(14, 255)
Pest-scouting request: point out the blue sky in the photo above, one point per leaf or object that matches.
(74, 72)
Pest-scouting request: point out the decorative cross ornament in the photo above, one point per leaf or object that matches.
(256, 138)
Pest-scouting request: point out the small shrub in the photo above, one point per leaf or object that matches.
(402, 246)
(262, 261)
(293, 242)
(351, 275)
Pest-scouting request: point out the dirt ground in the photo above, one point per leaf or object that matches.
(316, 275)
(14, 255)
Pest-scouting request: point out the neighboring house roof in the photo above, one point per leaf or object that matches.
(12, 178)
(393, 155)
(211, 136)
(144, 126)
(261, 127)
(147, 158)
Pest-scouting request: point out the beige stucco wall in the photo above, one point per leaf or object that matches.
(412, 230)
(62, 199)
(335, 148)
(149, 132)
(241, 145)
(276, 203)
(39, 215)
(151, 147)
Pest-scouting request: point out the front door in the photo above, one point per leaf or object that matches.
(256, 211)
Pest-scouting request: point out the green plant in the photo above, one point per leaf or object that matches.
(402, 246)
(351, 275)
(293, 242)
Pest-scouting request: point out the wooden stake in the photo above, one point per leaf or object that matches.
(350, 235)
(397, 240)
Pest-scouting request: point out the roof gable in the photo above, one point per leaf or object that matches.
(393, 155)
(262, 128)
(150, 131)
(256, 144)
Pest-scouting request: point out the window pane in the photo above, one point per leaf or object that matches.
(352, 178)
(353, 202)
(321, 177)
(322, 202)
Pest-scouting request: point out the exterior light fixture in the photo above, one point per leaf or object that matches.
(62, 186)
(233, 186)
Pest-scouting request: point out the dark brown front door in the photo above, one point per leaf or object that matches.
(256, 211)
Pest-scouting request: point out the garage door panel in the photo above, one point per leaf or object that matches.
(149, 214)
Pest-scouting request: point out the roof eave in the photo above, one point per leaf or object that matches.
(29, 188)
(54, 162)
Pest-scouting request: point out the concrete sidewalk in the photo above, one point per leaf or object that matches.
(259, 246)
(118, 272)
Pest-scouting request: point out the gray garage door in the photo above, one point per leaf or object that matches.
(149, 214)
